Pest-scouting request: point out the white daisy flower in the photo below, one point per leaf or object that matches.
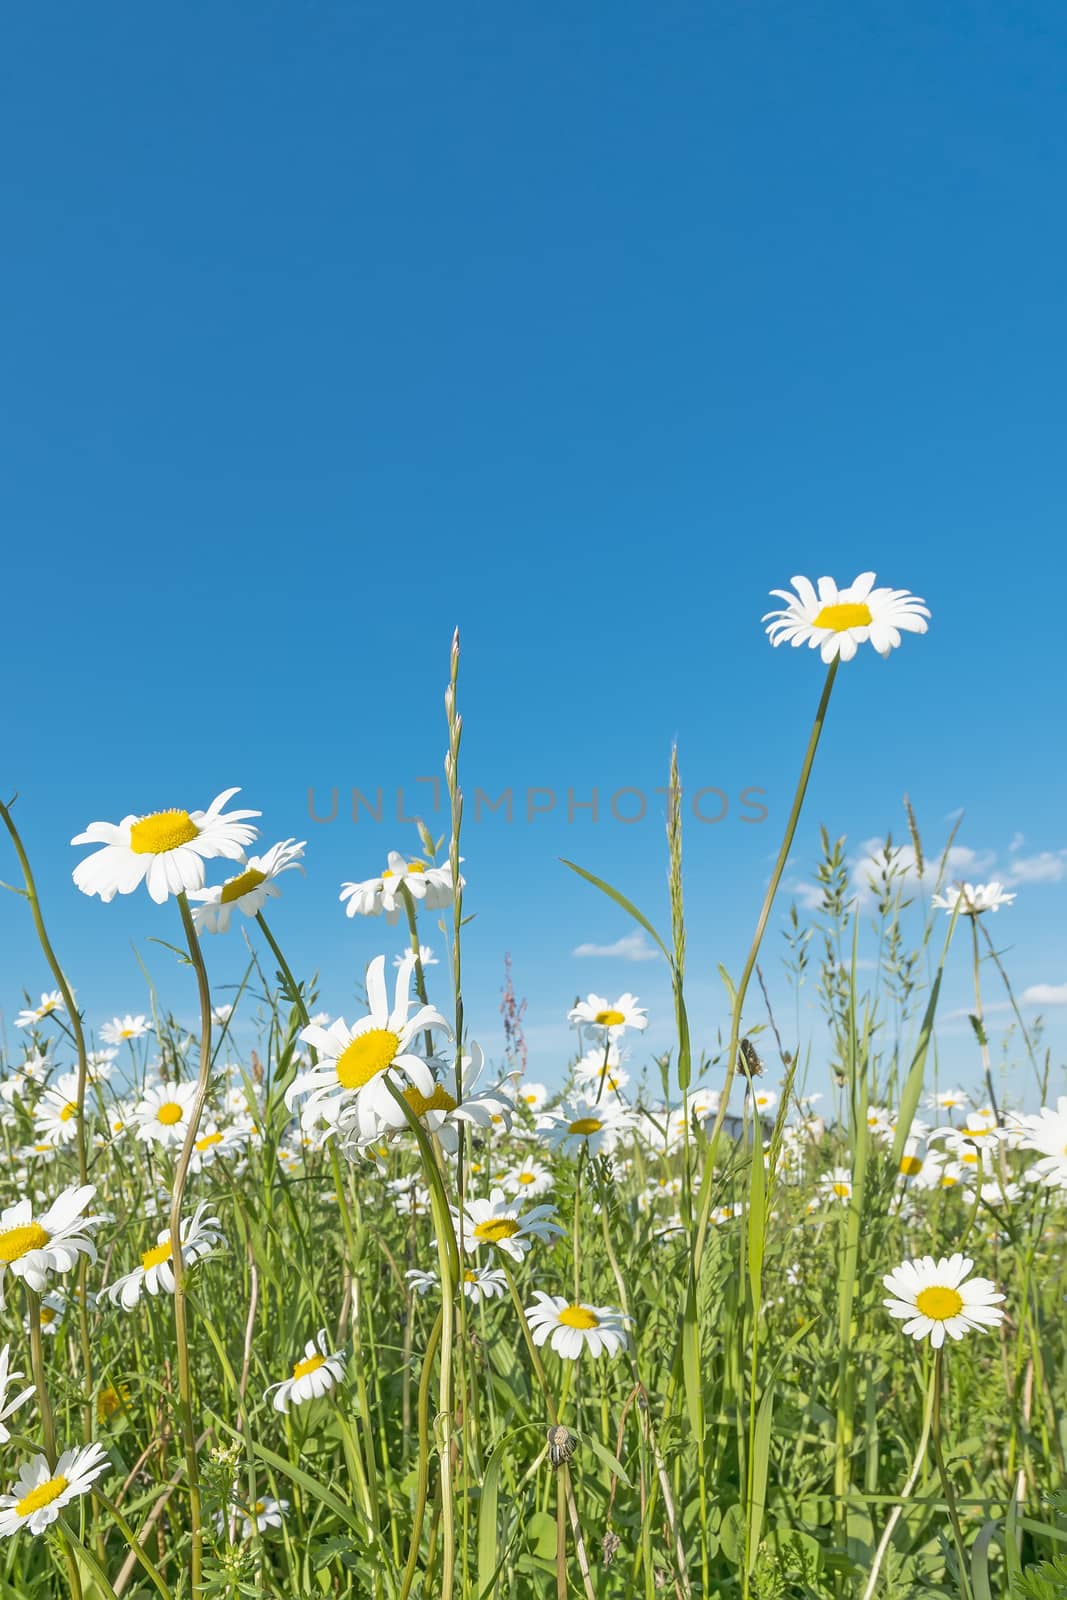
(478, 1283)
(583, 1123)
(165, 850)
(609, 1019)
(316, 1374)
(357, 1063)
(426, 883)
(762, 1102)
(498, 1221)
(946, 1100)
(972, 898)
(426, 956)
(49, 1003)
(528, 1178)
(250, 890)
(935, 1298)
(53, 1310)
(212, 1142)
(1047, 1134)
(836, 1185)
(55, 1116)
(120, 1029)
(265, 1513)
(7, 1378)
(162, 1116)
(836, 621)
(39, 1494)
(440, 1112)
(99, 1065)
(199, 1235)
(28, 1075)
(600, 1066)
(532, 1095)
(32, 1247)
(571, 1327)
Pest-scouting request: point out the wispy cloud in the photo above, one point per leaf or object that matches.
(1045, 994)
(631, 947)
(1048, 866)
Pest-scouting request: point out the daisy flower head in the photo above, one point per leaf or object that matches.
(836, 621)
(528, 1178)
(32, 1247)
(609, 1019)
(55, 1116)
(212, 1142)
(579, 1124)
(836, 1185)
(602, 1067)
(254, 1517)
(1047, 1134)
(199, 1235)
(477, 1283)
(33, 1014)
(7, 1378)
(249, 891)
(531, 1095)
(946, 1100)
(50, 1317)
(165, 850)
(935, 1298)
(571, 1327)
(359, 1063)
(424, 882)
(40, 1492)
(162, 1116)
(440, 1113)
(120, 1029)
(761, 1101)
(973, 899)
(499, 1222)
(319, 1371)
(426, 957)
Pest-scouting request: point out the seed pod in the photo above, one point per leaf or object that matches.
(561, 1445)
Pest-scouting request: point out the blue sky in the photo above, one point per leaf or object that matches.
(336, 326)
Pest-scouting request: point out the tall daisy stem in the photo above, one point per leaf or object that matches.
(181, 1320)
(946, 1481)
(67, 992)
(707, 1181)
(905, 1494)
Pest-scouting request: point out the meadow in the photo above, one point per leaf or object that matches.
(361, 1312)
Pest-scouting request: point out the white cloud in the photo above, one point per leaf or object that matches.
(631, 947)
(1017, 842)
(1048, 866)
(1045, 994)
(960, 862)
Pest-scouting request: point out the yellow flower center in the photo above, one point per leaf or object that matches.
(16, 1242)
(68, 1111)
(843, 1190)
(527, 1177)
(47, 1315)
(244, 883)
(43, 1495)
(420, 1103)
(948, 1181)
(366, 1056)
(609, 1018)
(208, 1140)
(969, 1158)
(578, 1317)
(154, 1257)
(939, 1304)
(169, 1113)
(312, 1364)
(495, 1229)
(846, 615)
(125, 1033)
(585, 1125)
(162, 831)
(910, 1165)
(469, 1276)
(412, 866)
